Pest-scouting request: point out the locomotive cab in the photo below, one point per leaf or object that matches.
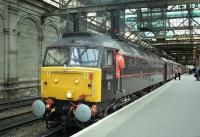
(72, 73)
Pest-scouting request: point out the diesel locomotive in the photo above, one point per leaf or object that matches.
(78, 78)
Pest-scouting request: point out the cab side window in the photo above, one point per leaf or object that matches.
(108, 58)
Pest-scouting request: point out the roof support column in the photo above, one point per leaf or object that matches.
(76, 21)
(117, 22)
(115, 17)
(74, 18)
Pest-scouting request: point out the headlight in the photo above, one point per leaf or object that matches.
(69, 95)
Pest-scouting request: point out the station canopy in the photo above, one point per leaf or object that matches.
(171, 28)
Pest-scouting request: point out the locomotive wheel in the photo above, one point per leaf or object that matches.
(82, 125)
(51, 124)
(107, 111)
(65, 126)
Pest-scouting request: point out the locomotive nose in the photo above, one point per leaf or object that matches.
(83, 113)
(38, 108)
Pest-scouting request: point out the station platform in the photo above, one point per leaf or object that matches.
(172, 110)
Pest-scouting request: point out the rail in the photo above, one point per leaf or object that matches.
(13, 124)
(16, 104)
(17, 88)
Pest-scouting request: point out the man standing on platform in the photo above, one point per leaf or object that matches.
(197, 73)
(177, 72)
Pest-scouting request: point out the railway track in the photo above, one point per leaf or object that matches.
(52, 133)
(16, 104)
(18, 120)
(12, 116)
(58, 132)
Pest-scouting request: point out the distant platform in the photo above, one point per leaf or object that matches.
(172, 110)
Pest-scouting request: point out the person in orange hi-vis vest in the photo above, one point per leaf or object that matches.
(119, 63)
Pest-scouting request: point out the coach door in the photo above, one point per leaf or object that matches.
(108, 75)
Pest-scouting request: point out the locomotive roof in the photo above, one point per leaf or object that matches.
(94, 40)
(84, 38)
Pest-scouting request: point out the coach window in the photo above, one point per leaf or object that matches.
(131, 62)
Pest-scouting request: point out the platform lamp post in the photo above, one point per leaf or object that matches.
(76, 21)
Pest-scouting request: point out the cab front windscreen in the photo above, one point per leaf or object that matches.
(72, 56)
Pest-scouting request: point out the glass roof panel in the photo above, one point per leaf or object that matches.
(54, 2)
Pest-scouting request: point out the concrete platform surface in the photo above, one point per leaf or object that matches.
(173, 110)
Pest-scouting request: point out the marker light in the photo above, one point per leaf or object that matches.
(49, 103)
(82, 97)
(69, 95)
(55, 80)
(76, 81)
(90, 76)
(94, 110)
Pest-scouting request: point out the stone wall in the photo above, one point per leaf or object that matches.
(23, 38)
